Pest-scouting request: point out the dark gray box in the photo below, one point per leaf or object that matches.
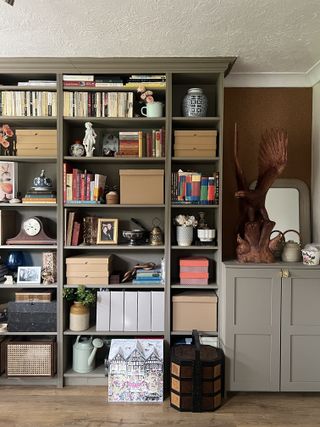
(32, 316)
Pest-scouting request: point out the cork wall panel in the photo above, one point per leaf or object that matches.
(257, 109)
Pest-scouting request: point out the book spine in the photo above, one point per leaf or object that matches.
(158, 144)
(211, 190)
(75, 234)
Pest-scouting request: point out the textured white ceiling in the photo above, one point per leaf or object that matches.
(266, 35)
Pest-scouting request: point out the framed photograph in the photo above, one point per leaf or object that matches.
(107, 231)
(8, 180)
(110, 144)
(29, 275)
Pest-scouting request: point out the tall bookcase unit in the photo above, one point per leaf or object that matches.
(181, 74)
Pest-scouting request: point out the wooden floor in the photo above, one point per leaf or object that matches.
(87, 406)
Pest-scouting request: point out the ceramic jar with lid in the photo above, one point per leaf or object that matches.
(195, 103)
(77, 149)
(291, 252)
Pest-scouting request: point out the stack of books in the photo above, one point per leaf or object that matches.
(44, 83)
(149, 81)
(81, 80)
(82, 186)
(147, 277)
(194, 271)
(194, 188)
(36, 197)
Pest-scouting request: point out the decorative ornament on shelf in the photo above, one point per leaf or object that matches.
(152, 108)
(255, 226)
(7, 141)
(195, 103)
(8, 280)
(77, 149)
(32, 232)
(185, 225)
(130, 274)
(89, 140)
(156, 236)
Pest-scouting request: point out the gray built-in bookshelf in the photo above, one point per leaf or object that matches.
(181, 74)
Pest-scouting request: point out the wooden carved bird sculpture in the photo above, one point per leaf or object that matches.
(253, 239)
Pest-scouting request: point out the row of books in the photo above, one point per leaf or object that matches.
(44, 83)
(28, 103)
(82, 186)
(144, 277)
(73, 230)
(98, 104)
(194, 188)
(154, 80)
(142, 143)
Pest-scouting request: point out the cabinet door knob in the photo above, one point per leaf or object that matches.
(285, 273)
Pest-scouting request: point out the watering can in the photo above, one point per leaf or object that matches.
(84, 351)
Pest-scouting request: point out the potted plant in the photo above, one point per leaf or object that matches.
(185, 225)
(82, 298)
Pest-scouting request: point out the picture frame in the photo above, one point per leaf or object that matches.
(110, 144)
(30, 275)
(107, 231)
(8, 180)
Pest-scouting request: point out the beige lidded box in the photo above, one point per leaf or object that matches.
(88, 270)
(33, 296)
(192, 310)
(141, 186)
(36, 142)
(195, 143)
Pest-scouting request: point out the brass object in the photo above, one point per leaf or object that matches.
(156, 237)
(285, 273)
(90, 229)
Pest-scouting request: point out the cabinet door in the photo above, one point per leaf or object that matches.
(300, 331)
(253, 329)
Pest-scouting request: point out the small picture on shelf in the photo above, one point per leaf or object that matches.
(29, 275)
(8, 181)
(110, 144)
(107, 231)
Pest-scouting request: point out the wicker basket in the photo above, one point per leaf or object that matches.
(31, 358)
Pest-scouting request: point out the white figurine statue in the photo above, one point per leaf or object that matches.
(89, 139)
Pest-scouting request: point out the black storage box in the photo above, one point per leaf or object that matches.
(197, 376)
(32, 316)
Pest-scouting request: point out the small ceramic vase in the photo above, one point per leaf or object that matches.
(195, 103)
(77, 149)
(184, 235)
(79, 317)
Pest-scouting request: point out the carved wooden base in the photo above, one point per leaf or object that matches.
(254, 247)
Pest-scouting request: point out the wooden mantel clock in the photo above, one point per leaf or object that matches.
(32, 233)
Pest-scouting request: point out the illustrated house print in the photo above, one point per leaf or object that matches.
(135, 371)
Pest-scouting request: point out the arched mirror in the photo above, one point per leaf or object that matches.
(288, 204)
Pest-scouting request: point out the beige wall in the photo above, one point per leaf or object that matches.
(257, 109)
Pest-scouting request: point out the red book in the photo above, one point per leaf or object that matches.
(89, 179)
(83, 180)
(162, 144)
(193, 275)
(75, 183)
(211, 190)
(149, 144)
(75, 234)
(194, 269)
(194, 261)
(194, 282)
(78, 83)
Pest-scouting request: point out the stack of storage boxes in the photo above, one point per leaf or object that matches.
(130, 311)
(89, 270)
(36, 142)
(194, 271)
(195, 143)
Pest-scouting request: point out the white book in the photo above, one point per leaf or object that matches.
(78, 78)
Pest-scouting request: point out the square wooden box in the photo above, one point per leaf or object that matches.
(36, 142)
(195, 143)
(88, 270)
(141, 186)
(194, 311)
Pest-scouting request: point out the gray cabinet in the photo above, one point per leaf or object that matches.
(272, 327)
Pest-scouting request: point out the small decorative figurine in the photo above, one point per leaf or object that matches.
(47, 277)
(89, 139)
(9, 280)
(77, 149)
(7, 141)
(41, 190)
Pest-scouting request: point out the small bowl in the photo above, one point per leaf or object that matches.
(206, 234)
(133, 236)
(310, 256)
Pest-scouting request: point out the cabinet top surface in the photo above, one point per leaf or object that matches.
(275, 265)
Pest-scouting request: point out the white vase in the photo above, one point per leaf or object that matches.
(184, 235)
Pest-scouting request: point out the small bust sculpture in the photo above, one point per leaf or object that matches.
(89, 139)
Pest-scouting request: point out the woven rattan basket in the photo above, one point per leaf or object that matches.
(31, 358)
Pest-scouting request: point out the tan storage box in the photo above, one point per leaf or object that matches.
(37, 142)
(194, 310)
(195, 143)
(141, 186)
(33, 296)
(89, 270)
